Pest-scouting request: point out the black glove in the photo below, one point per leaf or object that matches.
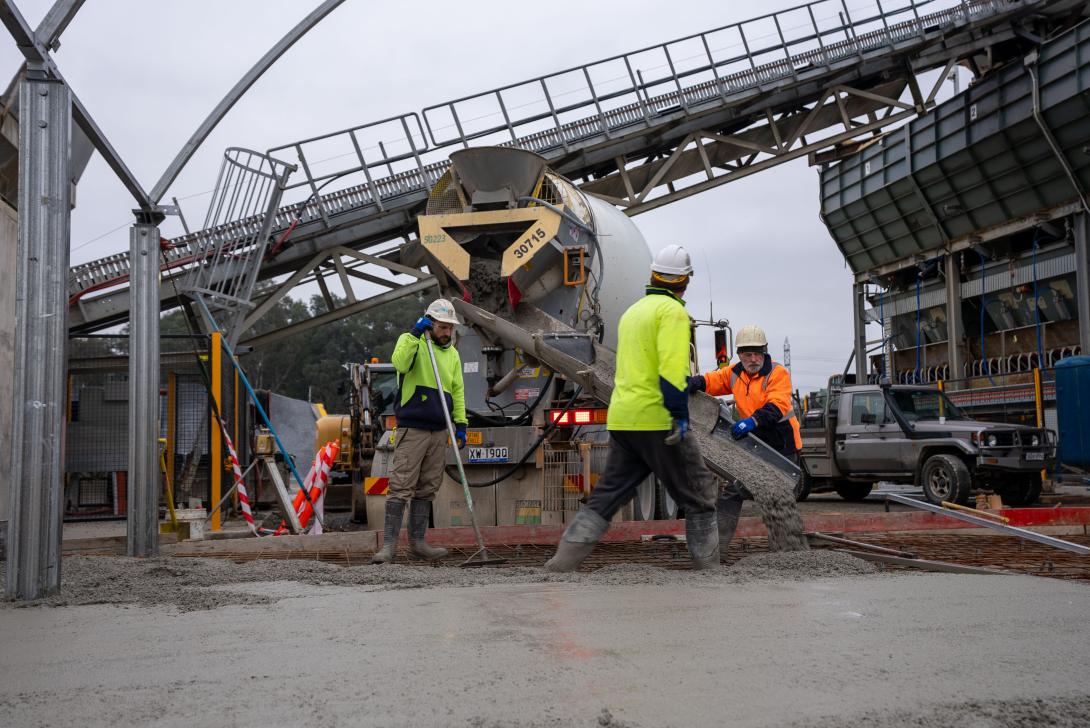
(697, 383)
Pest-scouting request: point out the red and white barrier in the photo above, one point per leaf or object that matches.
(315, 484)
(240, 485)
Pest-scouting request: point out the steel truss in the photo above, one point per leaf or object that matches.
(840, 114)
(640, 138)
(345, 265)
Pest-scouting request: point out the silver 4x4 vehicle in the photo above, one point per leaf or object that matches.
(915, 434)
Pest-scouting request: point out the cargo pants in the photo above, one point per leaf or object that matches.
(417, 472)
(633, 455)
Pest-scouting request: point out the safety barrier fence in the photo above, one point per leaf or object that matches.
(97, 423)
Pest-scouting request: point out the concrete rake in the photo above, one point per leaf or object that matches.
(481, 556)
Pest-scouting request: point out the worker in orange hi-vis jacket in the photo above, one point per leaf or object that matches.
(762, 394)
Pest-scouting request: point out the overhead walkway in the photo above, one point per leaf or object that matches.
(642, 130)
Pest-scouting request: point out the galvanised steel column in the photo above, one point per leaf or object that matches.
(954, 328)
(41, 340)
(859, 322)
(1082, 278)
(144, 478)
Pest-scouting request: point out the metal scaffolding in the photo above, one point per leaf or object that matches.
(41, 340)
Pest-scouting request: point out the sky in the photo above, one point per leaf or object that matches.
(149, 71)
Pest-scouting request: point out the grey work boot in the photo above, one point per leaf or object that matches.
(395, 511)
(727, 509)
(579, 539)
(419, 513)
(702, 537)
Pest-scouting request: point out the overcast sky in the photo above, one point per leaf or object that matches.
(149, 71)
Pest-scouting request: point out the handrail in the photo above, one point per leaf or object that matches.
(190, 249)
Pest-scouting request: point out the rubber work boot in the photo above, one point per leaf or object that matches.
(727, 509)
(702, 537)
(395, 511)
(579, 539)
(419, 513)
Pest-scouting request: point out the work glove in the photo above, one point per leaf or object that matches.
(677, 433)
(460, 436)
(741, 428)
(422, 324)
(697, 384)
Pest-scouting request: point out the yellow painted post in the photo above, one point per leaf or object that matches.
(1039, 403)
(215, 459)
(942, 388)
(172, 405)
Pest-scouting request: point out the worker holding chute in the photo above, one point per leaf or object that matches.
(762, 395)
(648, 420)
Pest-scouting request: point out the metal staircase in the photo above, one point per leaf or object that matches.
(642, 130)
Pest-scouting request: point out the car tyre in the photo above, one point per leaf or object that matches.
(1022, 494)
(643, 505)
(666, 508)
(802, 487)
(854, 491)
(946, 478)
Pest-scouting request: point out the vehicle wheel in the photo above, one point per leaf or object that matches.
(666, 508)
(854, 491)
(802, 487)
(1022, 494)
(643, 505)
(946, 478)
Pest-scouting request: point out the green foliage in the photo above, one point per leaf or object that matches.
(313, 362)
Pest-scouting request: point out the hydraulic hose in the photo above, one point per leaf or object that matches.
(521, 419)
(549, 427)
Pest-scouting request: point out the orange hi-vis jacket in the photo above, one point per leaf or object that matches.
(766, 397)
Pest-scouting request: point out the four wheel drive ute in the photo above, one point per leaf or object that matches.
(915, 434)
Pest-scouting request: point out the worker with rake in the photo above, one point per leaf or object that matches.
(420, 442)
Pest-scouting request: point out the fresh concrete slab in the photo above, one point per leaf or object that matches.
(687, 652)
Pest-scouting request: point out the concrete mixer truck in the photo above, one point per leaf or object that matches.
(541, 273)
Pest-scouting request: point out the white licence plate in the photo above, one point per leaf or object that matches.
(1035, 456)
(487, 455)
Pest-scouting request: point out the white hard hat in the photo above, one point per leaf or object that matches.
(673, 260)
(442, 310)
(750, 335)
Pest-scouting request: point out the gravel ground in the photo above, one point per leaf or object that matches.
(1028, 713)
(166, 581)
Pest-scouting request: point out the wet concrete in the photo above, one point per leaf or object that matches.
(185, 583)
(824, 652)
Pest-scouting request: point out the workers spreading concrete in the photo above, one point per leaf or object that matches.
(420, 440)
(648, 419)
(762, 394)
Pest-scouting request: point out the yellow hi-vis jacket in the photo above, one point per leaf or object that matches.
(649, 389)
(418, 404)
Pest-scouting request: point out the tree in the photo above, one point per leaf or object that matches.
(310, 363)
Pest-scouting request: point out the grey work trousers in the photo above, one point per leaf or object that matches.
(633, 455)
(417, 472)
